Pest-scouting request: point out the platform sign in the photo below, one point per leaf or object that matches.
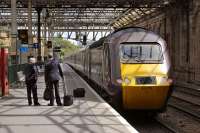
(35, 45)
(5, 39)
(23, 48)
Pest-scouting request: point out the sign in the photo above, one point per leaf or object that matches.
(5, 39)
(36, 45)
(24, 45)
(23, 48)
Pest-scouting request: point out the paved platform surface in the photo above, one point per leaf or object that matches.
(87, 115)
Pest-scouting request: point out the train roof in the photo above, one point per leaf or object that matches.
(101, 40)
(133, 27)
(97, 43)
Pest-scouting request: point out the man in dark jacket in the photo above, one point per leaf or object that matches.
(31, 74)
(53, 73)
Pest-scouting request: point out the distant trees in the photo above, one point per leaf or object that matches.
(67, 47)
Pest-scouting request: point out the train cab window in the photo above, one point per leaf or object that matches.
(141, 53)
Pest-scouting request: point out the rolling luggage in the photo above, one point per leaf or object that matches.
(67, 99)
(79, 92)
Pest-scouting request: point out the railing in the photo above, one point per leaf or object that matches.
(13, 69)
(12, 72)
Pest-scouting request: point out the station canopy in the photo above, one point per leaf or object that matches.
(83, 15)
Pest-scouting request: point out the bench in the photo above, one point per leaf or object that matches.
(21, 78)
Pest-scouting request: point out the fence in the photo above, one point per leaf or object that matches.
(12, 72)
(13, 69)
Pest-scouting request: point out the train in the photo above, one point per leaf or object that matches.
(131, 65)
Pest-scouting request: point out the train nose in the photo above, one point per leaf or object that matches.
(144, 97)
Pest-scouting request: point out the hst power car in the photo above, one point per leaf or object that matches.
(131, 65)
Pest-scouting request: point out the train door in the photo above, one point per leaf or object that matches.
(100, 65)
(89, 63)
(106, 65)
(84, 61)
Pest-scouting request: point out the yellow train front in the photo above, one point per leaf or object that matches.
(144, 86)
(131, 65)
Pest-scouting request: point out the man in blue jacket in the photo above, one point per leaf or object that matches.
(31, 75)
(53, 74)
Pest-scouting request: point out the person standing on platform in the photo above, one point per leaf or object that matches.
(31, 75)
(53, 74)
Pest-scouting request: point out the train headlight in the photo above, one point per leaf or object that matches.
(119, 81)
(127, 81)
(165, 80)
(170, 81)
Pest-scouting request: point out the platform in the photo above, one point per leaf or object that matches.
(90, 114)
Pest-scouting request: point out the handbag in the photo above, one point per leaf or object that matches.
(46, 94)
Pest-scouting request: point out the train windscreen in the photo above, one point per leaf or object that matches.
(141, 53)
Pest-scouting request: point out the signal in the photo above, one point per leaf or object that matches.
(57, 49)
(23, 36)
(49, 44)
(84, 40)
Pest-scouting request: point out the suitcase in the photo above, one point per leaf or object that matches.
(67, 99)
(79, 92)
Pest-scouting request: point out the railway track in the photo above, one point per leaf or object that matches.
(186, 107)
(188, 90)
(167, 125)
(183, 112)
(194, 100)
(187, 100)
(145, 124)
(179, 121)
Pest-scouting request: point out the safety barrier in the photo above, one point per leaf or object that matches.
(12, 72)
(13, 69)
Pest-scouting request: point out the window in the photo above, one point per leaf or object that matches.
(141, 53)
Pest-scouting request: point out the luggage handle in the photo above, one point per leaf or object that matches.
(64, 87)
(67, 99)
